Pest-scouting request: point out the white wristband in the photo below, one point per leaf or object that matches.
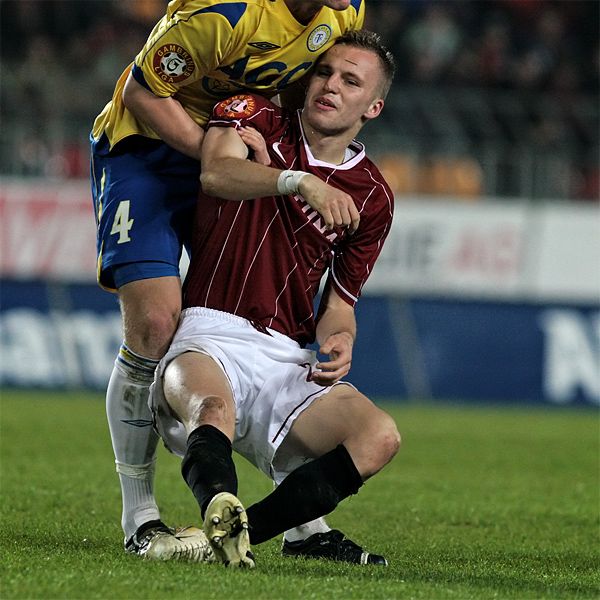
(288, 182)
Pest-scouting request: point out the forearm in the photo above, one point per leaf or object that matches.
(336, 330)
(336, 321)
(227, 174)
(166, 117)
(238, 179)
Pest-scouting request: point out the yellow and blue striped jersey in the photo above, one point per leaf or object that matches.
(203, 51)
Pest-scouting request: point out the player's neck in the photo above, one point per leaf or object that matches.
(328, 147)
(302, 10)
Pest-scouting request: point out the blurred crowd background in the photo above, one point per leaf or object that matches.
(494, 98)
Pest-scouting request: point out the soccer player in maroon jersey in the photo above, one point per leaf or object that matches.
(238, 374)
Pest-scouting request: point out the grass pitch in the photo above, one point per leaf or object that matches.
(479, 503)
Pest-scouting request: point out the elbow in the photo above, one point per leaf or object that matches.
(209, 180)
(216, 180)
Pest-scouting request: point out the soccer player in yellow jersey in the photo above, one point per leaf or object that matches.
(145, 181)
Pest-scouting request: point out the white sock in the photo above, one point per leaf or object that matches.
(303, 531)
(133, 438)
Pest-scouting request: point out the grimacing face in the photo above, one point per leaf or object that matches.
(344, 90)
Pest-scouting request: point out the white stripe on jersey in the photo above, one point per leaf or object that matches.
(314, 265)
(389, 223)
(253, 259)
(237, 212)
(340, 285)
(366, 200)
(264, 108)
(379, 183)
(281, 292)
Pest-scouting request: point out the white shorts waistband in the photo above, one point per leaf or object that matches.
(201, 311)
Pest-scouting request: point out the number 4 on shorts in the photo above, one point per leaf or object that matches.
(122, 223)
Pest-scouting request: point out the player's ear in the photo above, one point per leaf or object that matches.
(374, 109)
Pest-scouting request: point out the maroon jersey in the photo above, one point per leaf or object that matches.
(263, 259)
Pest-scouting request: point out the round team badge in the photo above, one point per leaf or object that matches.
(318, 37)
(173, 63)
(236, 107)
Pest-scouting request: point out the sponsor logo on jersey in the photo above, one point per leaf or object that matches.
(238, 106)
(318, 37)
(263, 45)
(315, 219)
(173, 63)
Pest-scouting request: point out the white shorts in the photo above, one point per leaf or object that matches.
(268, 375)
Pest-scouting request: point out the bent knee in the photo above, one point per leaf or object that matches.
(388, 441)
(210, 406)
(392, 440)
(385, 443)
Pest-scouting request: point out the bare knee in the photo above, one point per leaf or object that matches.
(212, 410)
(380, 443)
(198, 394)
(345, 416)
(389, 441)
(151, 331)
(150, 310)
(194, 410)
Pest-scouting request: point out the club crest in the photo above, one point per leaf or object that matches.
(318, 37)
(237, 106)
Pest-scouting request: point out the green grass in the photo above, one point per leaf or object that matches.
(479, 503)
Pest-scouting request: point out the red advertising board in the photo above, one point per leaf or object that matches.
(47, 231)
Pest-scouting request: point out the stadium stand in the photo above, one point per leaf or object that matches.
(495, 98)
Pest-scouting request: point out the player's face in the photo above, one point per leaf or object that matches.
(343, 92)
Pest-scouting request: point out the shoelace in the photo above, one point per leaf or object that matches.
(191, 552)
(184, 550)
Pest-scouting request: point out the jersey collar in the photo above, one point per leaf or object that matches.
(355, 146)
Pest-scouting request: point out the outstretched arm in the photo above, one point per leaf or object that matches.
(336, 331)
(227, 174)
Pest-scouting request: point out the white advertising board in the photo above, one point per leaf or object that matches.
(505, 251)
(450, 248)
(568, 263)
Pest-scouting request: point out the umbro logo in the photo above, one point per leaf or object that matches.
(263, 45)
(137, 422)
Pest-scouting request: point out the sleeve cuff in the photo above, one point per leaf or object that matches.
(138, 75)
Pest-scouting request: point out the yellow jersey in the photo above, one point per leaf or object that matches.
(203, 51)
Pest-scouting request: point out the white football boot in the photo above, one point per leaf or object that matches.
(156, 541)
(226, 527)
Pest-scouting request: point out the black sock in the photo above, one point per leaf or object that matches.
(311, 491)
(207, 466)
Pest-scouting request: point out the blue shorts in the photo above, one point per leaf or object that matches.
(145, 195)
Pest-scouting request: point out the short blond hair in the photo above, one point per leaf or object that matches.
(369, 40)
